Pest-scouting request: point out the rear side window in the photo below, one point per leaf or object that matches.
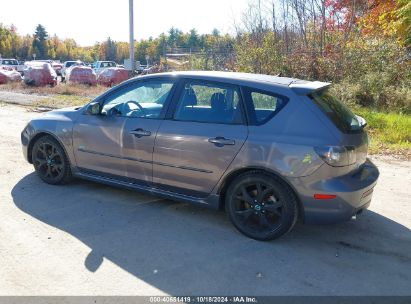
(264, 105)
(210, 103)
(336, 111)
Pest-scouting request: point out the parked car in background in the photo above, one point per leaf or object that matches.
(67, 65)
(81, 75)
(7, 76)
(11, 64)
(100, 66)
(267, 149)
(57, 66)
(112, 76)
(39, 74)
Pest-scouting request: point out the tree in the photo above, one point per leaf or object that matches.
(403, 13)
(110, 49)
(192, 40)
(40, 42)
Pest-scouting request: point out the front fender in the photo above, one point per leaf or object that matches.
(58, 124)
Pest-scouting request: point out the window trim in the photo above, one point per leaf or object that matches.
(251, 113)
(180, 89)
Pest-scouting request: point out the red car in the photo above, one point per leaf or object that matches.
(112, 76)
(82, 75)
(39, 74)
(7, 75)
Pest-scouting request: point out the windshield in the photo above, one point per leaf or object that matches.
(337, 112)
(10, 62)
(70, 63)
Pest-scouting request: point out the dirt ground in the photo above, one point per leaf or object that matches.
(90, 239)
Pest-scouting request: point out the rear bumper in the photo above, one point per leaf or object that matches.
(353, 194)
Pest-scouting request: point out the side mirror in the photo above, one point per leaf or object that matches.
(93, 108)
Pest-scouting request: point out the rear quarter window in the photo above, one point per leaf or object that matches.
(264, 105)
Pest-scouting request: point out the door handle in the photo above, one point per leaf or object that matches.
(221, 141)
(140, 133)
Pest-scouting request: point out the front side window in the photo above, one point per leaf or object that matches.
(144, 100)
(209, 102)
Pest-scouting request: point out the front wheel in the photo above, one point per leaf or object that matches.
(50, 161)
(261, 206)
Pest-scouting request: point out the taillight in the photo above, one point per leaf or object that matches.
(337, 156)
(319, 196)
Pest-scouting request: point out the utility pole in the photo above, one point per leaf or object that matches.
(131, 47)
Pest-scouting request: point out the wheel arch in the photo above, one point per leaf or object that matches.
(229, 178)
(36, 138)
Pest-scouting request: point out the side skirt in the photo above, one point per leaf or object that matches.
(212, 201)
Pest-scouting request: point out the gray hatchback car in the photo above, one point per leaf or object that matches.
(270, 150)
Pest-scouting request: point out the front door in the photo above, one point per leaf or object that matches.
(120, 141)
(97, 143)
(145, 106)
(196, 146)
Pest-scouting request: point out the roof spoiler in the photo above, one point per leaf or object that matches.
(307, 87)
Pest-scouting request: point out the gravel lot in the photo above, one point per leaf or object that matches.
(89, 239)
(20, 98)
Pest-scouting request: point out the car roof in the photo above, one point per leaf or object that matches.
(234, 76)
(297, 85)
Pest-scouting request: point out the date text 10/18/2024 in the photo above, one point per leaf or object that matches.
(205, 299)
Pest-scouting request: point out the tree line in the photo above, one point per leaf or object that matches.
(44, 46)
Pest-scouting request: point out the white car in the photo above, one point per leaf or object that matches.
(11, 64)
(67, 65)
(100, 66)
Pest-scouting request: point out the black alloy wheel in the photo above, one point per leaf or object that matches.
(261, 206)
(50, 161)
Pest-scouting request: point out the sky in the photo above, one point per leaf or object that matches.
(88, 21)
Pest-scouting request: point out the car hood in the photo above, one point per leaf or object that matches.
(65, 114)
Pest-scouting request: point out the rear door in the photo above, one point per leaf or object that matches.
(202, 136)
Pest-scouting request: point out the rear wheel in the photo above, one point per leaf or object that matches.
(261, 206)
(50, 161)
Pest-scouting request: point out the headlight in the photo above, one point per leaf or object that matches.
(337, 156)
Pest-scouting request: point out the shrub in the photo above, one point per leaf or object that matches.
(374, 92)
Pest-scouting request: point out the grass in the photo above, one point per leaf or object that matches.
(61, 101)
(390, 133)
(61, 96)
(61, 89)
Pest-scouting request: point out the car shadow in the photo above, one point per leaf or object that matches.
(183, 249)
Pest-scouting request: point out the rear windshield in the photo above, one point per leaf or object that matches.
(336, 111)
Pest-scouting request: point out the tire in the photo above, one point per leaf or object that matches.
(261, 206)
(50, 161)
